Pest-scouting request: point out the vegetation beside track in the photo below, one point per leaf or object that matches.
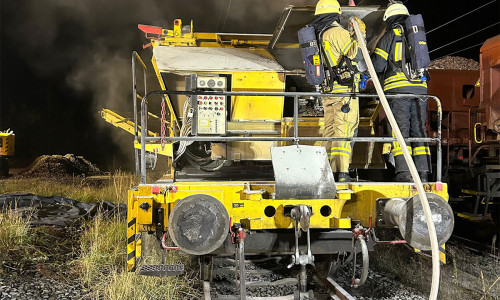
(93, 252)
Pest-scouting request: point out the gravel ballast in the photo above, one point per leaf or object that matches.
(21, 287)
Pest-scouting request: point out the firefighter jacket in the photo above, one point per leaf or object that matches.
(387, 60)
(338, 42)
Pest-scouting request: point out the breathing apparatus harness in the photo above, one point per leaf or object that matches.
(343, 73)
(416, 67)
(319, 71)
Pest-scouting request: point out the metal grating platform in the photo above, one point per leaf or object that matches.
(162, 270)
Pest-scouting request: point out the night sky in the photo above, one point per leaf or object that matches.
(61, 61)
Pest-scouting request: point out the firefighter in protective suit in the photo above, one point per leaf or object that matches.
(410, 112)
(341, 113)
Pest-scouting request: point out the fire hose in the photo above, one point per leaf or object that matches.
(413, 170)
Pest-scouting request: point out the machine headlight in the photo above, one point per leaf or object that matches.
(211, 83)
(202, 82)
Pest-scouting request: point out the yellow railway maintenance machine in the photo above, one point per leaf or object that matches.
(7, 140)
(247, 176)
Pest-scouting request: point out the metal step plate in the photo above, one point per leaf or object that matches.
(162, 270)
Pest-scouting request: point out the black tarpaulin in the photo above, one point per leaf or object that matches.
(59, 211)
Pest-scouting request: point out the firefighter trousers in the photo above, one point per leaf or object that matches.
(411, 115)
(340, 124)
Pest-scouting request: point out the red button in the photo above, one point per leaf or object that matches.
(205, 97)
(222, 108)
(211, 97)
(200, 97)
(200, 102)
(216, 97)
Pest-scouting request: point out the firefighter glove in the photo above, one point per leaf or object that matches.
(361, 24)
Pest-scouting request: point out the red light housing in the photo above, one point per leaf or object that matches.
(155, 190)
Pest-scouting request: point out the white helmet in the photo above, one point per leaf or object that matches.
(394, 10)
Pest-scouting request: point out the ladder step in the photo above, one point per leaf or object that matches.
(162, 270)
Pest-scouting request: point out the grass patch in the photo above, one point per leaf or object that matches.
(103, 249)
(13, 234)
(127, 285)
(466, 275)
(95, 252)
(111, 188)
(102, 267)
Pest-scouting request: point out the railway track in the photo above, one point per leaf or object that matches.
(475, 246)
(265, 278)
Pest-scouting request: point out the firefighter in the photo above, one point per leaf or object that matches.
(341, 113)
(410, 112)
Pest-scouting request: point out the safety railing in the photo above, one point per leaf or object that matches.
(296, 138)
(136, 57)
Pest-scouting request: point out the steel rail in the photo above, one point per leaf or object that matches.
(296, 138)
(336, 290)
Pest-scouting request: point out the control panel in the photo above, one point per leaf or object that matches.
(209, 111)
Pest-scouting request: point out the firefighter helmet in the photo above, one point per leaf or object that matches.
(396, 9)
(328, 7)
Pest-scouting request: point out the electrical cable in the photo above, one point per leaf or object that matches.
(464, 37)
(460, 50)
(460, 17)
(220, 16)
(185, 129)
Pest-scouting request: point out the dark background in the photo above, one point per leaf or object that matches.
(61, 61)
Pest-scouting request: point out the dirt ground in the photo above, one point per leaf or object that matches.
(59, 166)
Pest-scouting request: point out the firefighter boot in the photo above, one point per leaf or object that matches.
(424, 176)
(344, 177)
(403, 177)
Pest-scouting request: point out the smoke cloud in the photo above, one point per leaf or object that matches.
(73, 59)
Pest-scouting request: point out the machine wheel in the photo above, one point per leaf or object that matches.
(4, 167)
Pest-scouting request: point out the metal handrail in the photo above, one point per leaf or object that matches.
(135, 56)
(296, 138)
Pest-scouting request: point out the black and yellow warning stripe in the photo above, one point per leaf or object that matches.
(131, 245)
(442, 253)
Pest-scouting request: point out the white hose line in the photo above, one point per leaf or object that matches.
(409, 161)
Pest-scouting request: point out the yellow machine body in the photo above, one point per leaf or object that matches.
(246, 203)
(7, 142)
(248, 66)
